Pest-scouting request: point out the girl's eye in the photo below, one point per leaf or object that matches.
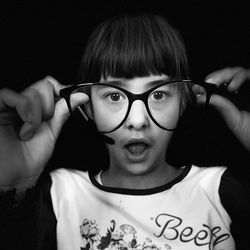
(114, 97)
(159, 96)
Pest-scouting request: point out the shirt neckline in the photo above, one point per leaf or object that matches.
(148, 191)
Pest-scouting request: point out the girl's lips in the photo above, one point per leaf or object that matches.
(136, 141)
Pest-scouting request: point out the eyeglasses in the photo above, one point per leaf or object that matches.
(111, 104)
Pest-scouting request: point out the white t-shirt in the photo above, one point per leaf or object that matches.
(184, 214)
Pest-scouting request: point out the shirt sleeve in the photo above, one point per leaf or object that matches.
(29, 223)
(235, 197)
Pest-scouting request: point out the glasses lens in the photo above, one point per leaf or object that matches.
(109, 106)
(164, 105)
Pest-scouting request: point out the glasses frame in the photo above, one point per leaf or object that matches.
(66, 93)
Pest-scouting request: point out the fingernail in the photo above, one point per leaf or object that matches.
(209, 80)
(51, 80)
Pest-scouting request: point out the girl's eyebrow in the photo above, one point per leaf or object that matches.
(157, 82)
(115, 83)
(121, 83)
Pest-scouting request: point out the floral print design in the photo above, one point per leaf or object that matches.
(121, 238)
(90, 233)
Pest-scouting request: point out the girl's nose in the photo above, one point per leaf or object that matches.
(138, 116)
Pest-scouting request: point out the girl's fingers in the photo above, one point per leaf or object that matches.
(228, 110)
(11, 102)
(41, 97)
(48, 89)
(29, 128)
(34, 105)
(38, 103)
(238, 79)
(235, 77)
(223, 75)
(25, 106)
(237, 121)
(62, 112)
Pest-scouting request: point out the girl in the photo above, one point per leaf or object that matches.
(135, 89)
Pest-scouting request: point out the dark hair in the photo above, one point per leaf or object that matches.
(132, 46)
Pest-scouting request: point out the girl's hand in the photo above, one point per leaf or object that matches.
(30, 123)
(237, 120)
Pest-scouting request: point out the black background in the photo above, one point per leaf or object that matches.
(42, 38)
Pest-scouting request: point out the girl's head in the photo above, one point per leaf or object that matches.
(137, 50)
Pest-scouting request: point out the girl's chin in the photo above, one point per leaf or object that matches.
(135, 167)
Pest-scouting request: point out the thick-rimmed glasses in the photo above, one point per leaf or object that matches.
(112, 103)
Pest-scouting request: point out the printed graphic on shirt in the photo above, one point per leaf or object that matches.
(125, 236)
(173, 228)
(122, 238)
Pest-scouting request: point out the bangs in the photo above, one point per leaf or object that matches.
(134, 46)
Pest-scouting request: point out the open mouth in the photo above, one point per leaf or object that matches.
(137, 148)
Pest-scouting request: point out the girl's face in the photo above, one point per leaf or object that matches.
(140, 145)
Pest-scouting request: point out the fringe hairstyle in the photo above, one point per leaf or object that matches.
(132, 46)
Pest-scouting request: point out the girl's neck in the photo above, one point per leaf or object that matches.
(119, 179)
